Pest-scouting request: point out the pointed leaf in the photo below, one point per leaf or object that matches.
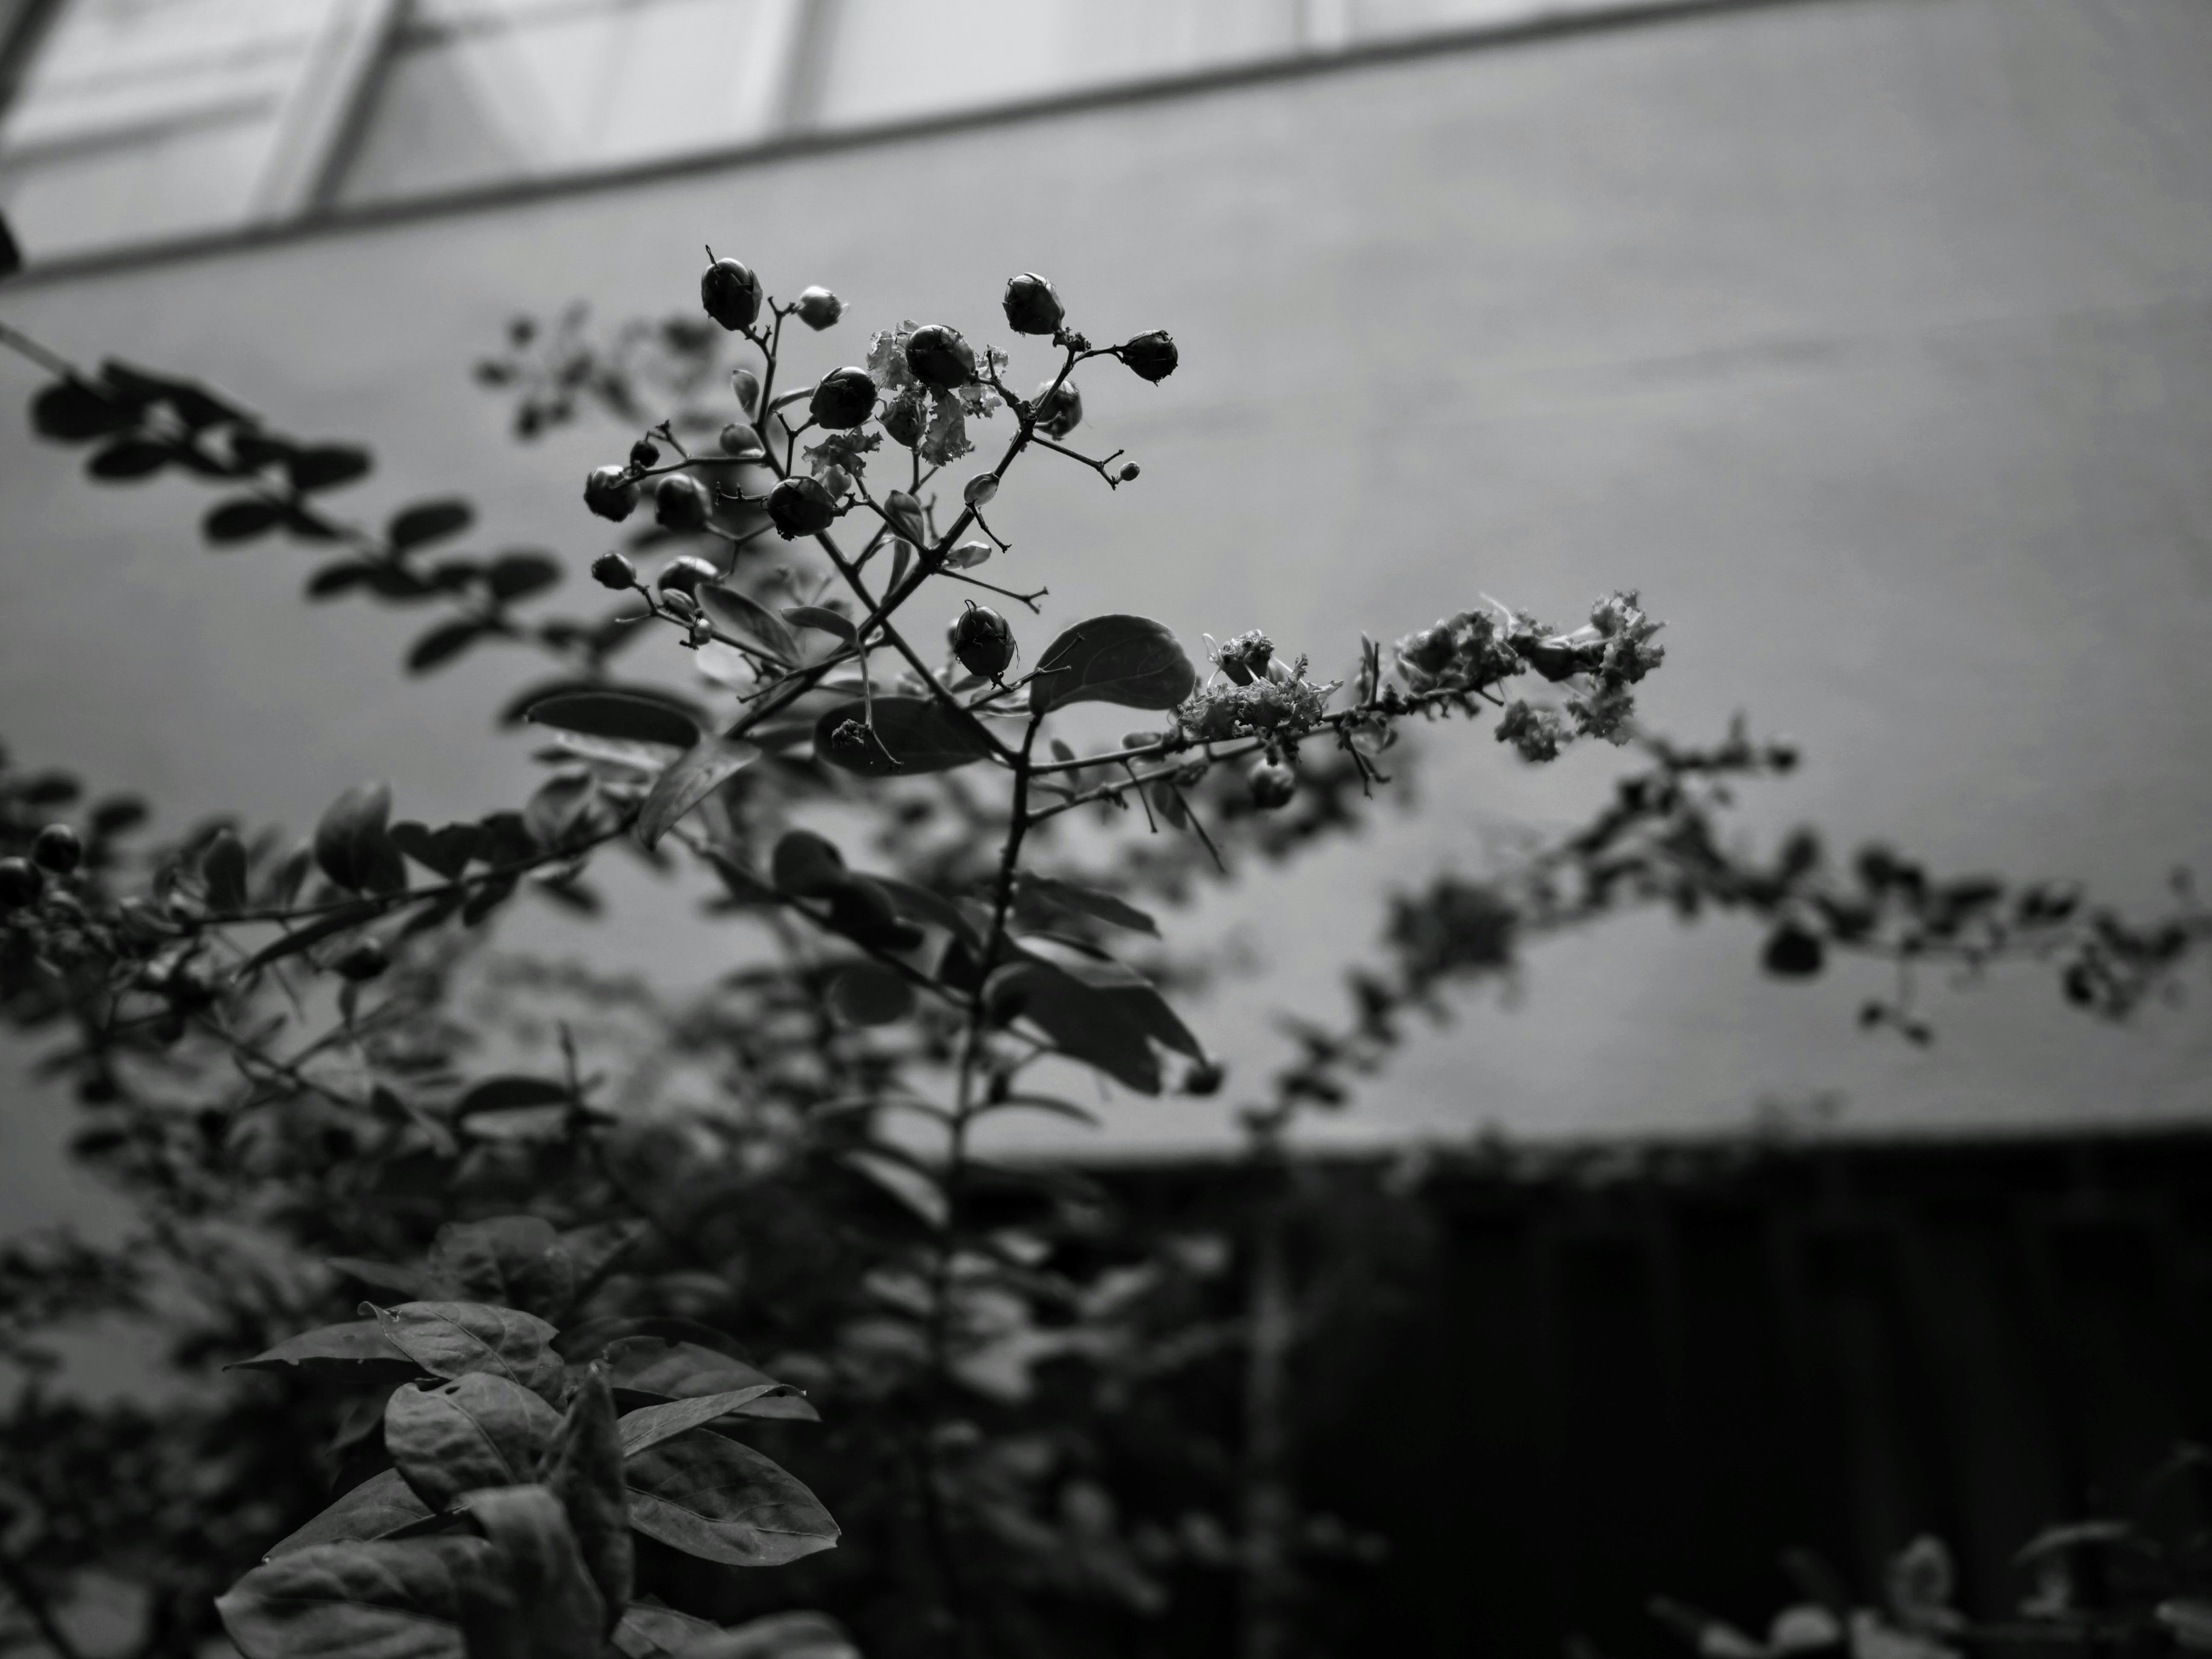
(821, 620)
(380, 1505)
(456, 1339)
(620, 715)
(518, 575)
(651, 1424)
(1130, 660)
(713, 762)
(912, 735)
(240, 520)
(443, 643)
(1048, 900)
(1085, 1022)
(662, 1368)
(314, 933)
(753, 622)
(713, 1497)
(383, 1600)
(358, 1351)
(476, 1431)
(561, 1609)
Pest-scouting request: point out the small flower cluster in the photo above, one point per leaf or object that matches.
(1245, 658)
(931, 414)
(1458, 653)
(1278, 703)
(1538, 733)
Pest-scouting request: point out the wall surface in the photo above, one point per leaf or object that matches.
(1871, 339)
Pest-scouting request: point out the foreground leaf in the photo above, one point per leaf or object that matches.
(561, 1614)
(585, 1472)
(358, 1351)
(382, 1600)
(455, 1338)
(713, 1497)
(673, 1368)
(912, 735)
(712, 763)
(1130, 660)
(478, 1430)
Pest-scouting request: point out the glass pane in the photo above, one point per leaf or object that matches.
(881, 59)
(142, 118)
(478, 91)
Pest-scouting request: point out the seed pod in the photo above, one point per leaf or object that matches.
(731, 293)
(980, 489)
(615, 571)
(905, 419)
(1272, 785)
(364, 959)
(746, 385)
(818, 309)
(846, 397)
(644, 453)
(967, 556)
(983, 641)
(58, 849)
(685, 574)
(679, 502)
(1032, 305)
(609, 493)
(742, 442)
(1059, 412)
(905, 513)
(939, 358)
(800, 507)
(20, 883)
(1129, 472)
(1152, 356)
(681, 605)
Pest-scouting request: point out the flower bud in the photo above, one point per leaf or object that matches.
(1128, 473)
(1032, 305)
(1152, 356)
(1059, 412)
(845, 399)
(681, 605)
(364, 959)
(746, 385)
(615, 571)
(19, 882)
(609, 493)
(905, 513)
(800, 507)
(683, 575)
(731, 293)
(939, 358)
(967, 556)
(982, 641)
(680, 503)
(980, 489)
(1246, 657)
(904, 418)
(818, 309)
(58, 849)
(742, 442)
(644, 453)
(1272, 784)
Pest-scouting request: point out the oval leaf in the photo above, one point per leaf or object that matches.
(561, 1614)
(386, 1600)
(443, 644)
(647, 1631)
(585, 1472)
(240, 519)
(429, 521)
(713, 1497)
(753, 622)
(821, 620)
(618, 714)
(380, 1505)
(1130, 660)
(478, 1430)
(505, 1094)
(912, 735)
(711, 763)
(869, 993)
(664, 1368)
(326, 466)
(358, 1351)
(651, 1424)
(455, 1338)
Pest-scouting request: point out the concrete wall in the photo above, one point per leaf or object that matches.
(1872, 339)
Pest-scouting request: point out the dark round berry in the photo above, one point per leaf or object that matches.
(610, 493)
(742, 442)
(800, 507)
(1059, 412)
(364, 959)
(685, 574)
(1793, 953)
(20, 883)
(846, 397)
(1152, 356)
(939, 358)
(1032, 305)
(818, 309)
(904, 418)
(1204, 1079)
(1273, 785)
(644, 453)
(1129, 472)
(58, 849)
(615, 571)
(982, 641)
(679, 502)
(731, 293)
